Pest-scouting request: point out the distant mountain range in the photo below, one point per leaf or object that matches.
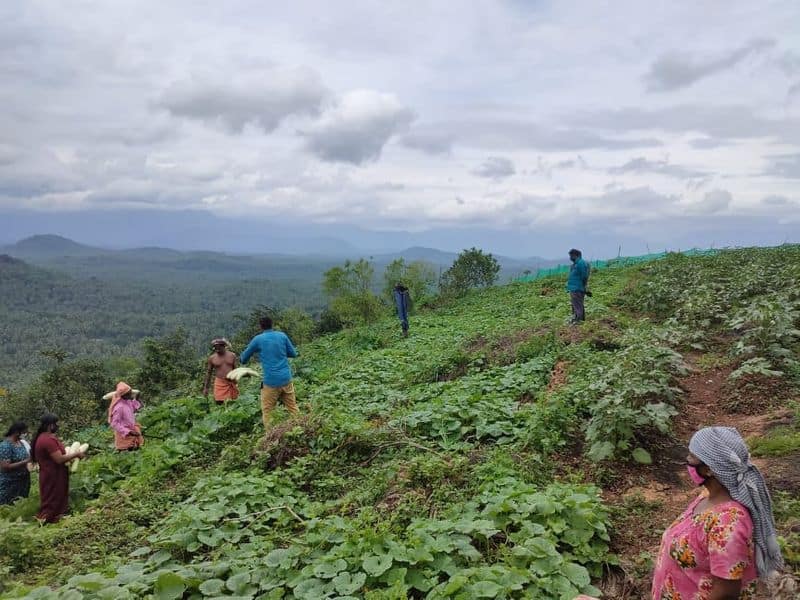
(58, 251)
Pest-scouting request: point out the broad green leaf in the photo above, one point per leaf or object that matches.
(329, 570)
(91, 582)
(576, 574)
(113, 593)
(377, 565)
(237, 582)
(310, 589)
(642, 456)
(212, 587)
(346, 584)
(169, 586)
(485, 589)
(601, 451)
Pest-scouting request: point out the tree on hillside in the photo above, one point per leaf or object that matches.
(349, 289)
(293, 321)
(297, 324)
(473, 268)
(418, 276)
(72, 389)
(169, 362)
(250, 325)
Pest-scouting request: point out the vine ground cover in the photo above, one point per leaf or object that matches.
(426, 467)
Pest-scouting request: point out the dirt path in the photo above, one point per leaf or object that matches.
(653, 496)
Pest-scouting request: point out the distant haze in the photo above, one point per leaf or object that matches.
(198, 230)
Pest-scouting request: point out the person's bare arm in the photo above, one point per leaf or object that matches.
(725, 589)
(208, 376)
(6, 466)
(60, 458)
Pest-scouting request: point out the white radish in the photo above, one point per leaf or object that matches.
(239, 372)
(77, 447)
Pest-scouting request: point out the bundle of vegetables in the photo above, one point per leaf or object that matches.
(110, 395)
(76, 447)
(238, 373)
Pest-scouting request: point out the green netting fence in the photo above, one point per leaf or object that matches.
(620, 261)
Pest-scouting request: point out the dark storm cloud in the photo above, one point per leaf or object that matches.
(495, 167)
(674, 71)
(264, 98)
(356, 128)
(641, 165)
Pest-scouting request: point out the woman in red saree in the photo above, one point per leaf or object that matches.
(52, 457)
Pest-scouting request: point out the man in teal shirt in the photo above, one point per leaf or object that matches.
(577, 283)
(275, 349)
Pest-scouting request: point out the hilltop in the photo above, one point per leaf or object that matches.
(496, 452)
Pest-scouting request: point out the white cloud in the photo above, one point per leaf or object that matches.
(784, 165)
(357, 126)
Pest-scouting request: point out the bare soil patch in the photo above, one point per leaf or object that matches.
(648, 498)
(558, 376)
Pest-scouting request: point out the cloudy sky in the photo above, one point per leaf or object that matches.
(520, 126)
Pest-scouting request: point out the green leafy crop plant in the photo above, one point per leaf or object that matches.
(423, 466)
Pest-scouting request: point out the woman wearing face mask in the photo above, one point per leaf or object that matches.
(49, 452)
(725, 539)
(15, 479)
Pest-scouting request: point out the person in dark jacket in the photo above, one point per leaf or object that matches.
(402, 301)
(577, 285)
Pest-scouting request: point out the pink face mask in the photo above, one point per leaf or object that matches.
(694, 475)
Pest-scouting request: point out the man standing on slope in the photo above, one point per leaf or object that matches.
(402, 300)
(274, 348)
(577, 283)
(221, 362)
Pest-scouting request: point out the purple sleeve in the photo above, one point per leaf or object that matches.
(119, 419)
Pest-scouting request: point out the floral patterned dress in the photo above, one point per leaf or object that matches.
(717, 542)
(14, 484)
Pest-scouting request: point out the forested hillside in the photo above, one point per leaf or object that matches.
(98, 303)
(93, 317)
(496, 452)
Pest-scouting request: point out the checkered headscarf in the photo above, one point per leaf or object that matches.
(723, 450)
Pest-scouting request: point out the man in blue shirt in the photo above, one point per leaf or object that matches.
(275, 349)
(577, 283)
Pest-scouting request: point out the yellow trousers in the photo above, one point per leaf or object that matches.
(270, 397)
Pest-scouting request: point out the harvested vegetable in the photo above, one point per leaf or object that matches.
(76, 447)
(110, 395)
(238, 373)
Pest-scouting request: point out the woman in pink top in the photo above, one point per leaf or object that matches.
(725, 539)
(121, 417)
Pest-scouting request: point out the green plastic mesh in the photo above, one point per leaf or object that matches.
(622, 261)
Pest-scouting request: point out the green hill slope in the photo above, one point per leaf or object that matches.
(462, 462)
